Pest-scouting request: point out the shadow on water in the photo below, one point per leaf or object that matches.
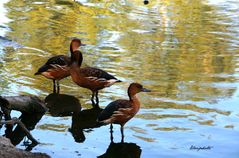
(32, 109)
(186, 51)
(86, 119)
(17, 135)
(122, 150)
(59, 105)
(66, 105)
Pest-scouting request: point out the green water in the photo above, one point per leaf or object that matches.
(187, 52)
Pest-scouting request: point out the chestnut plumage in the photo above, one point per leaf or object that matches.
(59, 59)
(121, 111)
(91, 78)
(54, 68)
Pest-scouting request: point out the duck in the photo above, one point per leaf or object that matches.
(54, 67)
(122, 110)
(90, 78)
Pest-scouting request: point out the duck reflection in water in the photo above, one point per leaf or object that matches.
(67, 105)
(122, 150)
(32, 109)
(86, 119)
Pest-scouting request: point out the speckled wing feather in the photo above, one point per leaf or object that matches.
(97, 73)
(60, 60)
(113, 107)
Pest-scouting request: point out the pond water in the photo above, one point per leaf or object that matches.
(186, 52)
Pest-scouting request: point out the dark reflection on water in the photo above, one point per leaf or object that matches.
(85, 119)
(62, 104)
(17, 135)
(122, 150)
(31, 108)
(66, 105)
(185, 51)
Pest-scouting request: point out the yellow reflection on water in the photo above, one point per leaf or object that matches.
(182, 50)
(185, 51)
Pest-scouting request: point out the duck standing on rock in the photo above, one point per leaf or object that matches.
(54, 68)
(122, 110)
(91, 78)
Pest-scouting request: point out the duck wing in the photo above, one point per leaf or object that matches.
(96, 74)
(54, 62)
(59, 59)
(112, 108)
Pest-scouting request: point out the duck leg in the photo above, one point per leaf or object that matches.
(111, 133)
(92, 98)
(54, 86)
(58, 86)
(97, 98)
(122, 133)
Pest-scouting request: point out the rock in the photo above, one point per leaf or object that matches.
(7, 150)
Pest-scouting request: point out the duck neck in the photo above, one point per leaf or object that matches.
(76, 57)
(73, 47)
(133, 98)
(135, 103)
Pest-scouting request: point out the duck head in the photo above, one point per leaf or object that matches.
(135, 88)
(75, 44)
(76, 55)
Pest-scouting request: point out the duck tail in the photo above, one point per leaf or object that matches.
(37, 73)
(42, 69)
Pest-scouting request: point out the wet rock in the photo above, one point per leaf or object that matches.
(62, 104)
(23, 103)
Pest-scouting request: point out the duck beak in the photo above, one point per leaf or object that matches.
(145, 90)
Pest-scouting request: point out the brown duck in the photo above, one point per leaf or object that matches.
(54, 68)
(121, 111)
(91, 78)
